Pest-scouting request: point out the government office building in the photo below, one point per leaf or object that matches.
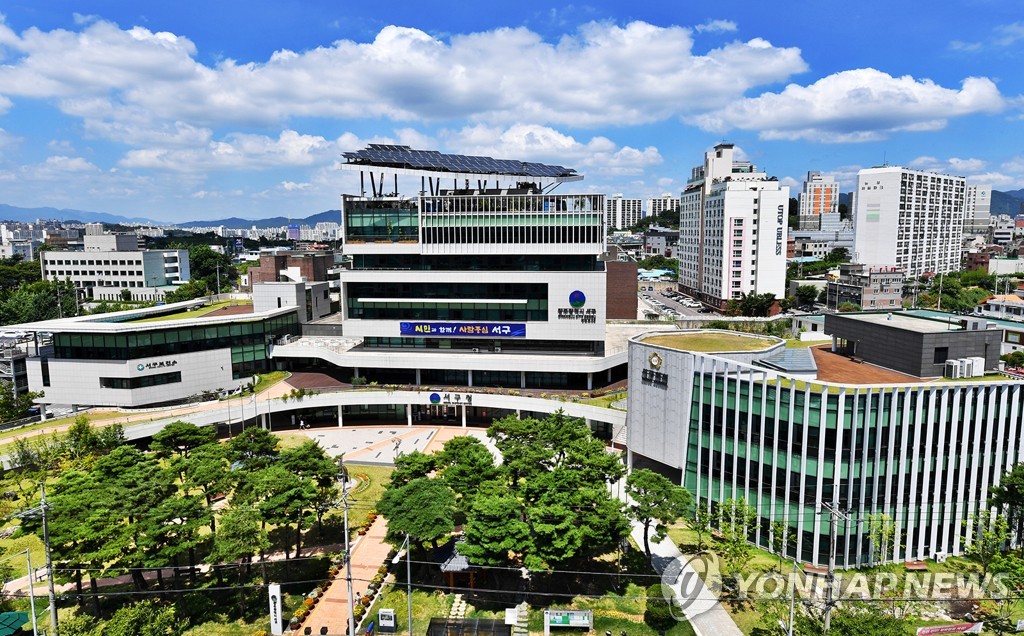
(483, 277)
(791, 429)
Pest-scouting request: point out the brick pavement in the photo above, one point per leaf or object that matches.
(368, 553)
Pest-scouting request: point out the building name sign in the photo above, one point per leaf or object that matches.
(780, 218)
(464, 329)
(657, 378)
(159, 364)
(451, 398)
(586, 316)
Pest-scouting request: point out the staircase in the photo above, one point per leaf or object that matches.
(522, 614)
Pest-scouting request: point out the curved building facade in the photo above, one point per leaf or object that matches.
(730, 425)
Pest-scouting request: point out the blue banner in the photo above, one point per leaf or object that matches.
(464, 329)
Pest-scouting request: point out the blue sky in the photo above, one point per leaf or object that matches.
(201, 110)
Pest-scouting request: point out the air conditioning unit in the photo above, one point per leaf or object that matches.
(476, 350)
(952, 369)
(979, 366)
(940, 557)
(497, 350)
(966, 367)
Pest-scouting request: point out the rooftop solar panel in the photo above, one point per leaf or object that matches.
(404, 156)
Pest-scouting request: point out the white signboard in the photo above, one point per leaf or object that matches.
(276, 626)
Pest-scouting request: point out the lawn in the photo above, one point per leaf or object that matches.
(202, 311)
(796, 343)
(709, 342)
(605, 401)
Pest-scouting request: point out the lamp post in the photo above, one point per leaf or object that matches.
(31, 588)
(408, 574)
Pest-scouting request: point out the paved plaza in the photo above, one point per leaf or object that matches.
(369, 445)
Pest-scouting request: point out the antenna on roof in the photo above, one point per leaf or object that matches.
(885, 161)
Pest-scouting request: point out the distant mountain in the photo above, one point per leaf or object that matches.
(235, 223)
(31, 215)
(1007, 202)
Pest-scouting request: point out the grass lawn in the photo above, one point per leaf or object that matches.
(425, 605)
(365, 496)
(268, 380)
(709, 342)
(796, 343)
(202, 311)
(605, 401)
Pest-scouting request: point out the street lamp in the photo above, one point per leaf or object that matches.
(31, 588)
(408, 574)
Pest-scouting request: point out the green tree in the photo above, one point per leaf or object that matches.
(15, 405)
(838, 255)
(852, 619)
(754, 305)
(145, 618)
(702, 523)
(735, 520)
(424, 509)
(284, 499)
(1008, 496)
(253, 448)
(990, 538)
(464, 463)
(206, 470)
(412, 466)
(81, 440)
(657, 502)
(205, 264)
(181, 438)
(495, 528)
(882, 534)
(782, 537)
(187, 291)
(806, 294)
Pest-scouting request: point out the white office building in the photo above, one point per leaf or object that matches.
(112, 263)
(819, 197)
(909, 218)
(977, 208)
(621, 213)
(732, 230)
(664, 203)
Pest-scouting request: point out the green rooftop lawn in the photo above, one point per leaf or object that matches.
(202, 311)
(709, 342)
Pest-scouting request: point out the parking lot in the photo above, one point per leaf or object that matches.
(671, 304)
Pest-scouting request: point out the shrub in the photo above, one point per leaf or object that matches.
(658, 614)
(301, 613)
(309, 603)
(358, 611)
(366, 600)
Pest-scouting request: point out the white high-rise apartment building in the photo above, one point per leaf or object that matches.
(732, 230)
(657, 205)
(977, 208)
(621, 213)
(908, 218)
(820, 196)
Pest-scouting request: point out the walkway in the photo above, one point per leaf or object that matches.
(368, 553)
(701, 606)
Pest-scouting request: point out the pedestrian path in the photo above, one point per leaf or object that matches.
(701, 606)
(368, 553)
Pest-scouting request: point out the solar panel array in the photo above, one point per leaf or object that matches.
(385, 155)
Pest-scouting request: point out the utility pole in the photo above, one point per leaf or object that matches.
(49, 564)
(218, 279)
(348, 553)
(834, 515)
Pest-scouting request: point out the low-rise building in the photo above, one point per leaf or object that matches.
(867, 286)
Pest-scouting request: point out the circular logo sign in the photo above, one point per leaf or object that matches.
(655, 360)
(577, 299)
(140, 367)
(435, 398)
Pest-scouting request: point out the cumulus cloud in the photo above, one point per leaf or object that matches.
(541, 143)
(236, 151)
(857, 105)
(105, 71)
(7, 140)
(716, 26)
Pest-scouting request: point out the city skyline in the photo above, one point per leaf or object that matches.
(243, 109)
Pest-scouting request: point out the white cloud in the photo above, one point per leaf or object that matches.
(5, 105)
(1003, 35)
(857, 105)
(7, 140)
(237, 151)
(540, 143)
(110, 73)
(716, 26)
(291, 186)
